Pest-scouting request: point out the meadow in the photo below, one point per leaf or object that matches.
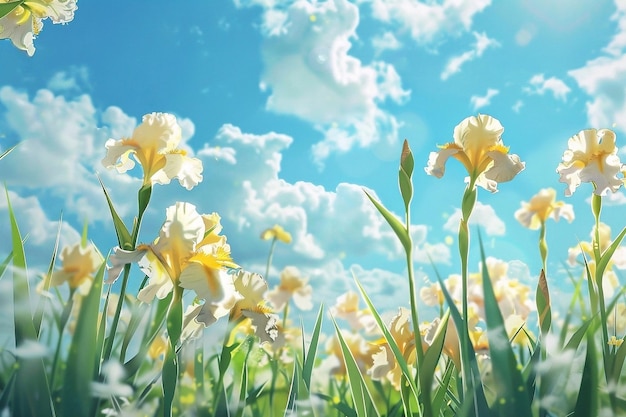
(202, 336)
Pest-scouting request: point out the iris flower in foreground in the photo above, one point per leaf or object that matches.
(478, 146)
(591, 157)
(154, 144)
(25, 22)
(188, 252)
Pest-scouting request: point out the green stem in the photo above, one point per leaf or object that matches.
(467, 205)
(543, 248)
(269, 258)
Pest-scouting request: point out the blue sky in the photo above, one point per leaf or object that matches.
(295, 106)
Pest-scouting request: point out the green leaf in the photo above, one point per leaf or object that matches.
(41, 304)
(362, 398)
(543, 304)
(5, 9)
(587, 402)
(31, 391)
(511, 390)
(608, 253)
(170, 363)
(433, 354)
(309, 358)
(475, 403)
(123, 237)
(395, 224)
(81, 368)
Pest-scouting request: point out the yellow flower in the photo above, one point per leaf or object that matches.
(385, 365)
(291, 285)
(517, 330)
(25, 22)
(591, 157)
(347, 308)
(614, 341)
(478, 146)
(183, 255)
(276, 232)
(541, 207)
(251, 287)
(154, 145)
(78, 265)
(361, 350)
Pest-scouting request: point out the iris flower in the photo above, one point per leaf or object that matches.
(291, 285)
(25, 22)
(591, 157)
(78, 266)
(154, 144)
(478, 146)
(188, 252)
(541, 207)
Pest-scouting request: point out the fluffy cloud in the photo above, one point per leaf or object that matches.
(429, 22)
(478, 102)
(384, 42)
(483, 215)
(540, 85)
(483, 42)
(603, 79)
(310, 74)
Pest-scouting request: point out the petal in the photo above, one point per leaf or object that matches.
(505, 167)
(437, 161)
(118, 155)
(302, 298)
(20, 34)
(187, 170)
(158, 131)
(119, 259)
(62, 11)
(565, 211)
(265, 325)
(476, 134)
(527, 218)
(278, 298)
(604, 179)
(569, 174)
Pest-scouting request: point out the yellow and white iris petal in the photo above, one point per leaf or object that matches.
(265, 324)
(192, 329)
(252, 287)
(160, 283)
(478, 146)
(25, 22)
(591, 157)
(154, 145)
(21, 27)
(78, 265)
(291, 286)
(214, 286)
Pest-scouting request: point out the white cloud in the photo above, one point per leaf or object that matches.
(310, 74)
(540, 85)
(76, 78)
(603, 79)
(429, 22)
(517, 106)
(483, 216)
(384, 42)
(525, 35)
(483, 42)
(478, 102)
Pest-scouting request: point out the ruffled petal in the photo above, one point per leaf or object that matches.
(187, 170)
(118, 155)
(119, 259)
(437, 161)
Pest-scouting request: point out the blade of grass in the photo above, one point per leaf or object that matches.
(309, 356)
(362, 398)
(31, 394)
(81, 368)
(510, 387)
